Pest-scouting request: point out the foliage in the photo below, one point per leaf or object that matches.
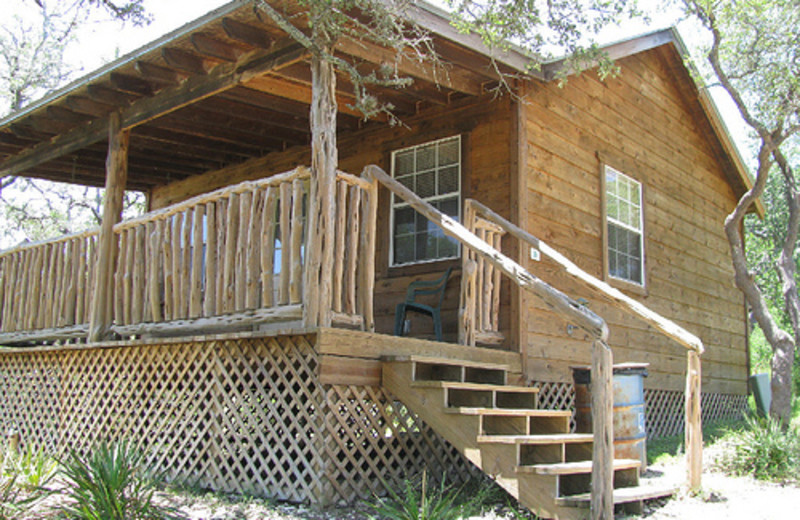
(418, 502)
(542, 27)
(763, 449)
(35, 210)
(562, 26)
(113, 482)
(23, 477)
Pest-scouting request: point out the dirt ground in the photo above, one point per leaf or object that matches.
(723, 497)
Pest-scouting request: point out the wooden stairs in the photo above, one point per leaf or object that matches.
(498, 427)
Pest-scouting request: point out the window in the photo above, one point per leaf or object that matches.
(624, 227)
(432, 171)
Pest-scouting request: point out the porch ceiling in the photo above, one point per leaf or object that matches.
(219, 91)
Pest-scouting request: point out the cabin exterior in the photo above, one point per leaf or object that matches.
(251, 353)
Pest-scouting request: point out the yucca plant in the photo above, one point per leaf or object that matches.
(417, 502)
(113, 482)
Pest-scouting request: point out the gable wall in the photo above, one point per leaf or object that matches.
(639, 123)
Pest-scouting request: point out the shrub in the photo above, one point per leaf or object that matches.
(23, 477)
(112, 483)
(764, 450)
(418, 502)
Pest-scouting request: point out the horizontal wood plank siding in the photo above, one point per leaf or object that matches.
(640, 123)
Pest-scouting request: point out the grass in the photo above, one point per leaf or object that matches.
(665, 449)
(764, 450)
(419, 501)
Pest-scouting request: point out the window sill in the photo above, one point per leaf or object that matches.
(628, 287)
(432, 266)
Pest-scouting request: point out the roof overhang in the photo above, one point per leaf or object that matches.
(231, 86)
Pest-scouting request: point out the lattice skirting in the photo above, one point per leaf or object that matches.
(664, 408)
(243, 415)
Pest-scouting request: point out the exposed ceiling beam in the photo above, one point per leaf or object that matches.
(185, 61)
(245, 33)
(213, 48)
(447, 77)
(222, 78)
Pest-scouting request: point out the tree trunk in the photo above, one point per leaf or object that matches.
(781, 342)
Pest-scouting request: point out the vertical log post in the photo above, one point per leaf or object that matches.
(694, 430)
(367, 256)
(603, 428)
(322, 201)
(116, 178)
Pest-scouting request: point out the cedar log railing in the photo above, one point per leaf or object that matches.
(483, 261)
(46, 288)
(230, 259)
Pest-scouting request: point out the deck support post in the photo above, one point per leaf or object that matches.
(116, 178)
(694, 430)
(603, 428)
(322, 197)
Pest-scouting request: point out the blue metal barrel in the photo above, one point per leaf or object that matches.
(630, 427)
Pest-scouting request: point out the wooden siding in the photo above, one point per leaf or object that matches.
(485, 127)
(641, 124)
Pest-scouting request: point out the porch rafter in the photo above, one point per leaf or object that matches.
(194, 89)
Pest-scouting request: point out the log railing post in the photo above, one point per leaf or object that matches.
(603, 428)
(694, 430)
(116, 178)
(367, 256)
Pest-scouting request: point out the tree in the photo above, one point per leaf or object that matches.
(754, 56)
(31, 65)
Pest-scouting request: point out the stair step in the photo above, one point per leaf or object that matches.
(475, 386)
(574, 468)
(507, 412)
(449, 361)
(621, 495)
(556, 438)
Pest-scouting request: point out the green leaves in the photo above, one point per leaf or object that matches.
(112, 483)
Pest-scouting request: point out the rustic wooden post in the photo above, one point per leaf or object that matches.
(367, 256)
(322, 200)
(694, 430)
(603, 428)
(116, 178)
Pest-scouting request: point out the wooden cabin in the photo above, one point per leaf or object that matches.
(250, 353)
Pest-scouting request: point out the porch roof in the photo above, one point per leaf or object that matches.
(231, 86)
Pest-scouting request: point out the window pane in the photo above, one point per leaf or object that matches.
(404, 221)
(448, 180)
(449, 207)
(426, 158)
(449, 152)
(426, 185)
(407, 181)
(404, 163)
(404, 249)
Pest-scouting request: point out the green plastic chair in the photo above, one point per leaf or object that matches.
(423, 287)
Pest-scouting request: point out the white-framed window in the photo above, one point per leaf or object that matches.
(624, 227)
(432, 171)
